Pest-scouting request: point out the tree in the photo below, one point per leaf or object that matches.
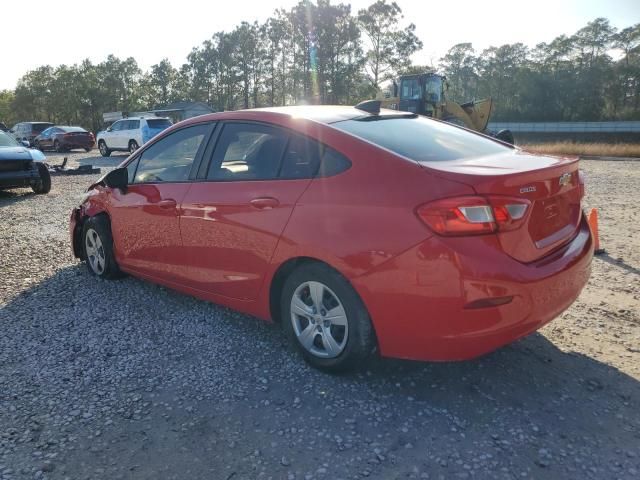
(389, 46)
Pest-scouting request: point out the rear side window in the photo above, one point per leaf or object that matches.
(306, 158)
(421, 139)
(302, 158)
(159, 123)
(39, 127)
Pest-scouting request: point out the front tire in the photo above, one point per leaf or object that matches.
(43, 186)
(57, 147)
(97, 247)
(325, 319)
(104, 151)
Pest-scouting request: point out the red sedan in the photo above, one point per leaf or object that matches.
(358, 230)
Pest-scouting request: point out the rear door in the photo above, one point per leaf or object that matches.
(145, 218)
(233, 218)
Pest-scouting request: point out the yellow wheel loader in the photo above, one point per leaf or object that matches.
(424, 94)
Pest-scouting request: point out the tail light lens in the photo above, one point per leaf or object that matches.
(474, 215)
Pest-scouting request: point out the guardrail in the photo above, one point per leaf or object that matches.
(567, 127)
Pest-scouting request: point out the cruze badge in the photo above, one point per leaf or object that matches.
(528, 189)
(565, 179)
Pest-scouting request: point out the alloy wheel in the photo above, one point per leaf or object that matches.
(95, 251)
(319, 320)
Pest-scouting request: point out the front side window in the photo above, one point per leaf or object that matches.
(117, 126)
(410, 89)
(133, 125)
(170, 159)
(247, 152)
(421, 139)
(47, 132)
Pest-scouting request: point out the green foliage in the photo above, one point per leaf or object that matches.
(321, 52)
(576, 78)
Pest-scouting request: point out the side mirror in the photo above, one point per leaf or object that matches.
(108, 129)
(118, 178)
(25, 143)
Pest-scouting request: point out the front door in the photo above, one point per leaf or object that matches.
(144, 219)
(232, 219)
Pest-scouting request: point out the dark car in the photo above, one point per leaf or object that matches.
(28, 131)
(3, 127)
(21, 166)
(63, 139)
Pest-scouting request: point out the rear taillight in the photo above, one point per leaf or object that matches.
(473, 215)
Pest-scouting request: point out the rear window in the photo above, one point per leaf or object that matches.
(159, 123)
(420, 138)
(72, 129)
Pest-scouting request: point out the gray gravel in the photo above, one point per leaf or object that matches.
(127, 379)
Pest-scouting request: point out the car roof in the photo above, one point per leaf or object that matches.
(327, 113)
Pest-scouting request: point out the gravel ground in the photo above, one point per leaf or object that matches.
(129, 380)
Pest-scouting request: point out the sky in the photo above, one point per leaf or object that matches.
(151, 30)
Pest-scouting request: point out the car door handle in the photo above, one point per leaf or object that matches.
(167, 204)
(264, 203)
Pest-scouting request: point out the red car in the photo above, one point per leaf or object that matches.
(358, 230)
(63, 139)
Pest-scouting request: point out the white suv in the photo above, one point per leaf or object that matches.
(128, 134)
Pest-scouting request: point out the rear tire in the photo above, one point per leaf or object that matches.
(97, 248)
(43, 185)
(104, 151)
(325, 319)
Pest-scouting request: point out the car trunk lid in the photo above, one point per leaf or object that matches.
(550, 184)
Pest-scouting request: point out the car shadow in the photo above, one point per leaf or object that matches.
(9, 197)
(511, 402)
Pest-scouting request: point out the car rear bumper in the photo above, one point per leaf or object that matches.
(19, 178)
(429, 303)
(78, 144)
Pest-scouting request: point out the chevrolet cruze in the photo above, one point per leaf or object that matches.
(359, 230)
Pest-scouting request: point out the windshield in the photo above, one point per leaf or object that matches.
(7, 141)
(433, 89)
(159, 123)
(421, 139)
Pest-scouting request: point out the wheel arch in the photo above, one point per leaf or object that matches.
(78, 249)
(282, 273)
